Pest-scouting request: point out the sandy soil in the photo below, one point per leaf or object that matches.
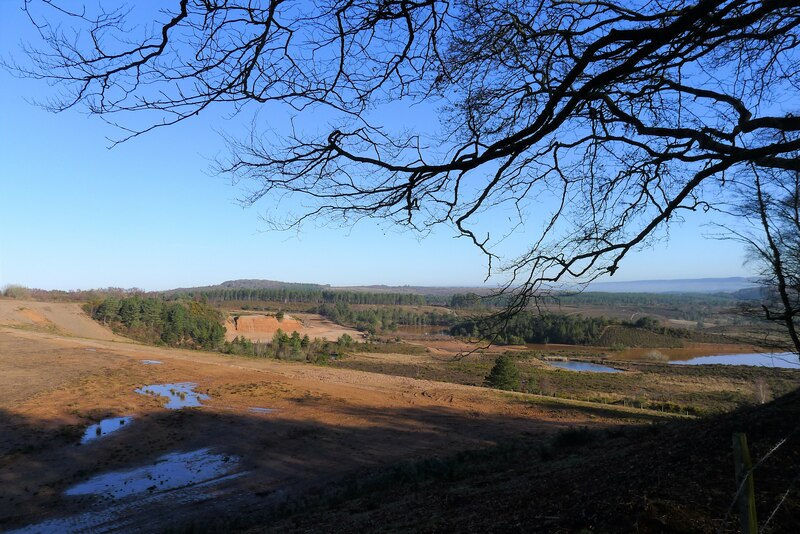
(263, 327)
(57, 317)
(326, 422)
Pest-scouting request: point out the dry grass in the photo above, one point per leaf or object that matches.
(328, 422)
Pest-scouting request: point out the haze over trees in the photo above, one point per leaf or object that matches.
(606, 120)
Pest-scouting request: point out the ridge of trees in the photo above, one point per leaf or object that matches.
(303, 295)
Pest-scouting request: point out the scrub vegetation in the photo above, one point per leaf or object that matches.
(290, 347)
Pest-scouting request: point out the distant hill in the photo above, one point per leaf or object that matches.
(740, 286)
(689, 285)
(276, 284)
(416, 290)
(248, 284)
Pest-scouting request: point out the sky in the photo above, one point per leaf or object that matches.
(149, 213)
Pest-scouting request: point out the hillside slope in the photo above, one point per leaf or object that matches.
(63, 318)
(675, 477)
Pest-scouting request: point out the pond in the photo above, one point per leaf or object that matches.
(104, 427)
(781, 360)
(179, 395)
(585, 366)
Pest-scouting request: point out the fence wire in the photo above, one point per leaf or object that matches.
(750, 473)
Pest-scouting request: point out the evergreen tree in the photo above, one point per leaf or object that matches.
(504, 374)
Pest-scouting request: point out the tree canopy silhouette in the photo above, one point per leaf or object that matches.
(624, 115)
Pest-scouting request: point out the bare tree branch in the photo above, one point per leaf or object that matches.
(624, 115)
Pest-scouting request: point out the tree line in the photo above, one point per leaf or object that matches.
(153, 320)
(313, 296)
(531, 327)
(526, 327)
(383, 319)
(688, 306)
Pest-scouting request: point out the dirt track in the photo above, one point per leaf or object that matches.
(326, 422)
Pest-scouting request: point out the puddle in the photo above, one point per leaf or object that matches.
(782, 360)
(152, 362)
(585, 366)
(256, 409)
(179, 395)
(104, 427)
(171, 482)
(167, 473)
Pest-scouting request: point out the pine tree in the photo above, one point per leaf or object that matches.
(504, 374)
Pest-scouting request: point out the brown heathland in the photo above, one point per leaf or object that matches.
(62, 372)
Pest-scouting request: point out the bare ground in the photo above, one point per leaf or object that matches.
(64, 318)
(259, 327)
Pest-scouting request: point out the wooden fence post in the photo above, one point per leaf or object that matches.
(747, 495)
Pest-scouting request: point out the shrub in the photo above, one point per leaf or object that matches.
(17, 292)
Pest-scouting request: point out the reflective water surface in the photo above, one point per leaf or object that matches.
(168, 472)
(782, 360)
(256, 409)
(179, 395)
(104, 427)
(585, 366)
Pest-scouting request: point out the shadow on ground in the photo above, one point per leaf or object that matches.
(279, 457)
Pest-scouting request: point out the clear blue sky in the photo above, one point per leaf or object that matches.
(74, 214)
